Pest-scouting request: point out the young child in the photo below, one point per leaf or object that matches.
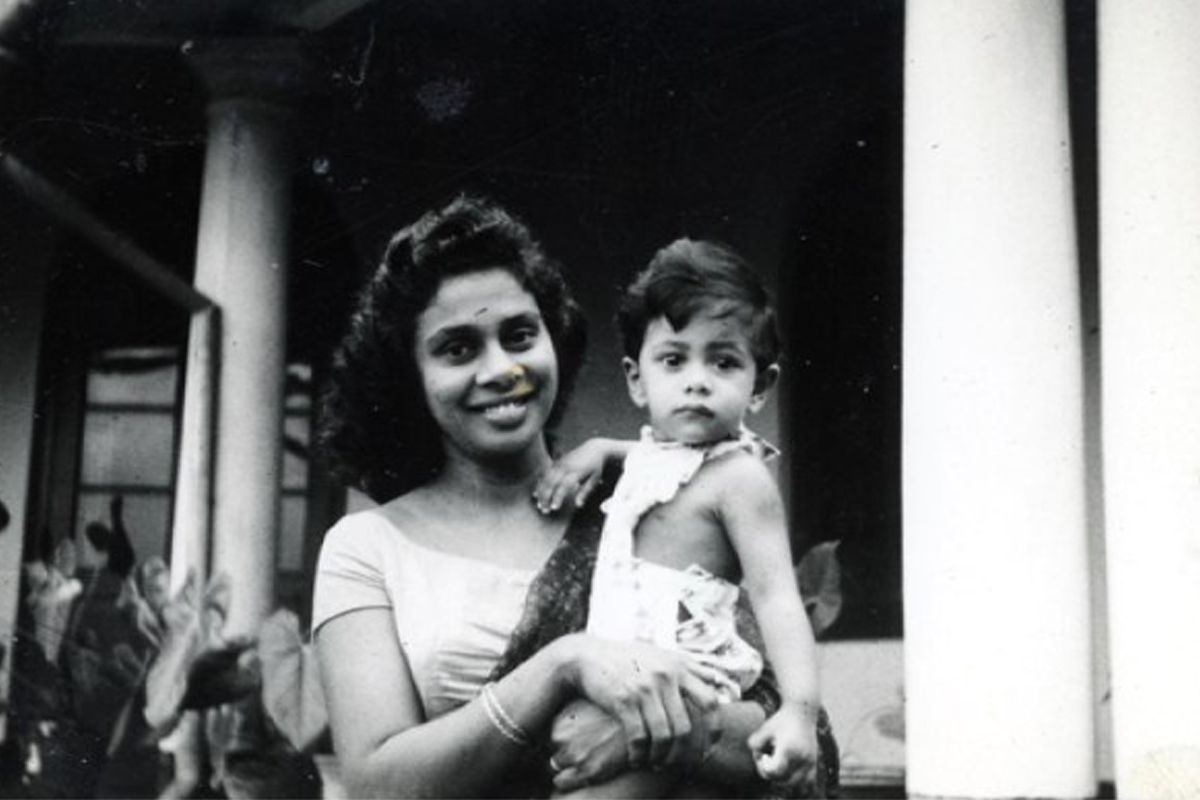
(696, 510)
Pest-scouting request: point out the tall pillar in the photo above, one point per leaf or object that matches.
(191, 534)
(996, 582)
(241, 263)
(1150, 307)
(24, 245)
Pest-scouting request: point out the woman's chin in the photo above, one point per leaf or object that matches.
(510, 440)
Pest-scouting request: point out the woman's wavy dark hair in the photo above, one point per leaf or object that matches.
(376, 432)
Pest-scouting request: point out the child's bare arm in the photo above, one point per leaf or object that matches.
(752, 513)
(577, 472)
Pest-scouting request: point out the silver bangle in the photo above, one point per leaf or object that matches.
(509, 728)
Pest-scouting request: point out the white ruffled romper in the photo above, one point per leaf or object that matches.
(690, 610)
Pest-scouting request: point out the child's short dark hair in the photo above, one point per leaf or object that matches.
(688, 277)
(376, 429)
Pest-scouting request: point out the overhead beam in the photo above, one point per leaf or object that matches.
(315, 15)
(76, 217)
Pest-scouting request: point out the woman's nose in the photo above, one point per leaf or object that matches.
(498, 367)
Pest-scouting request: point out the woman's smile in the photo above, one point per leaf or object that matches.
(487, 363)
(506, 413)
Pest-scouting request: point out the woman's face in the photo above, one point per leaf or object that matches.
(487, 363)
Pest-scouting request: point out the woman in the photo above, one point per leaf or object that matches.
(460, 355)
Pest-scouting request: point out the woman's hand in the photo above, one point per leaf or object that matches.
(644, 688)
(588, 745)
(576, 474)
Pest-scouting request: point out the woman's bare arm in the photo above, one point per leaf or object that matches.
(388, 748)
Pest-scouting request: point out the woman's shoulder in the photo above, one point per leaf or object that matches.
(358, 556)
(388, 527)
(363, 520)
(366, 528)
(367, 545)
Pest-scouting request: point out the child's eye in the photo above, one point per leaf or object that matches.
(727, 364)
(671, 359)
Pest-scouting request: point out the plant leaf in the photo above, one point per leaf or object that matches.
(51, 598)
(166, 682)
(66, 558)
(820, 577)
(890, 723)
(292, 692)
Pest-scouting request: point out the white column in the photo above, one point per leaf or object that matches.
(191, 535)
(241, 263)
(24, 245)
(1150, 309)
(996, 585)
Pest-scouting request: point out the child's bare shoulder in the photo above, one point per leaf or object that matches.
(737, 474)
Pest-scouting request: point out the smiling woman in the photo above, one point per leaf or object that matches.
(380, 435)
(438, 675)
(487, 363)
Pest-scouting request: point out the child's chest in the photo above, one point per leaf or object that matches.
(685, 531)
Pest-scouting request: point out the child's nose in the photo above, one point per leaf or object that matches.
(697, 381)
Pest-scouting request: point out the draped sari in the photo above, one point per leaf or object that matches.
(557, 604)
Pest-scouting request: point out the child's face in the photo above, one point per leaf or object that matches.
(699, 382)
(488, 365)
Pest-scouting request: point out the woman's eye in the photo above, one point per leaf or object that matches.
(522, 338)
(457, 351)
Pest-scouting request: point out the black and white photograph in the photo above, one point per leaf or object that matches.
(463, 398)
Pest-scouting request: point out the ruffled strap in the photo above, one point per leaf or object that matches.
(653, 474)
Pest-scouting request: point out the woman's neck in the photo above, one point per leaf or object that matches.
(507, 479)
(484, 510)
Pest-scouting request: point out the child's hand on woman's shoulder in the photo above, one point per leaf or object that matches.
(576, 474)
